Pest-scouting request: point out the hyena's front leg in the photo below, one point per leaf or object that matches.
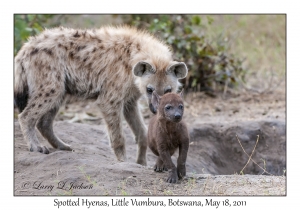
(45, 126)
(112, 117)
(183, 150)
(134, 119)
(166, 157)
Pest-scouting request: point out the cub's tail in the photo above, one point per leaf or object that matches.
(20, 86)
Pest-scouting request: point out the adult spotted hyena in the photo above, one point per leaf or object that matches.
(113, 65)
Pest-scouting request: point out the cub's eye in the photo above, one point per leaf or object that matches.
(180, 106)
(168, 107)
(168, 91)
(149, 90)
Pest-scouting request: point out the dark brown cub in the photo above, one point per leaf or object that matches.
(167, 132)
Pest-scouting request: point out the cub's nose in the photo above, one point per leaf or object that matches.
(177, 116)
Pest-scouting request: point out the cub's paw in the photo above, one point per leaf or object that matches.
(181, 171)
(160, 168)
(173, 178)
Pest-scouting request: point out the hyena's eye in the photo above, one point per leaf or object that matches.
(180, 106)
(149, 90)
(168, 90)
(168, 107)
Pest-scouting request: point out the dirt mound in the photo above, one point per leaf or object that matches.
(92, 169)
(215, 147)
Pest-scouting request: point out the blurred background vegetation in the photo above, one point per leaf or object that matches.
(222, 51)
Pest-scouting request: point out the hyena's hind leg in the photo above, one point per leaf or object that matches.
(134, 119)
(40, 102)
(45, 126)
(27, 120)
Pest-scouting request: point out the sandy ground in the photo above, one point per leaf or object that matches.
(214, 161)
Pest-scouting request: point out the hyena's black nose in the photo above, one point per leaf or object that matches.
(152, 109)
(177, 116)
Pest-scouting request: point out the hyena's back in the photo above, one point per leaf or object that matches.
(83, 62)
(91, 64)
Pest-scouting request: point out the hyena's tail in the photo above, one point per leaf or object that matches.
(20, 86)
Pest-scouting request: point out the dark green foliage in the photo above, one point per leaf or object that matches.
(26, 26)
(211, 68)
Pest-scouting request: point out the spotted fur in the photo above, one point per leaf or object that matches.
(113, 65)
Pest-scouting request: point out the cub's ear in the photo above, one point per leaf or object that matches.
(179, 69)
(155, 101)
(143, 68)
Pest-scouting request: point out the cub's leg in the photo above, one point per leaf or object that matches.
(166, 157)
(134, 119)
(45, 126)
(183, 150)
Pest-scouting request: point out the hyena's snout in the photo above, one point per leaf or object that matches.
(152, 109)
(177, 116)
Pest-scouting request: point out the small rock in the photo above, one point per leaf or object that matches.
(218, 109)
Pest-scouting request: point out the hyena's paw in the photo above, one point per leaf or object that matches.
(160, 168)
(172, 178)
(142, 161)
(141, 155)
(65, 147)
(181, 171)
(159, 165)
(41, 149)
(120, 153)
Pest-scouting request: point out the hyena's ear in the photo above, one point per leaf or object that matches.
(179, 69)
(143, 68)
(181, 93)
(155, 100)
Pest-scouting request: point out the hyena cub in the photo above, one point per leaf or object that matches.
(113, 65)
(166, 133)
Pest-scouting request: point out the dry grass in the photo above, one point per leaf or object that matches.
(261, 39)
(202, 184)
(250, 157)
(194, 185)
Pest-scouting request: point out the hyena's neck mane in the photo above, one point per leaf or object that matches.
(142, 45)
